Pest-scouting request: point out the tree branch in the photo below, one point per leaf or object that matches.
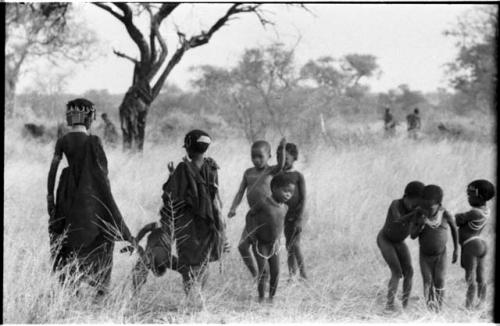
(111, 11)
(123, 55)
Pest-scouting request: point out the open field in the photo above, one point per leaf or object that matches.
(349, 190)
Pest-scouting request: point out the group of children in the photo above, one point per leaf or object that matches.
(85, 220)
(421, 215)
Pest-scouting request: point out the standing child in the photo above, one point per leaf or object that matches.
(294, 220)
(84, 219)
(474, 248)
(256, 182)
(431, 230)
(265, 227)
(391, 241)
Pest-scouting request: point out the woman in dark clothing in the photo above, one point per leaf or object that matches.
(84, 220)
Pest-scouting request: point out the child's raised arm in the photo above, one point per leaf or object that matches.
(464, 218)
(454, 235)
(238, 197)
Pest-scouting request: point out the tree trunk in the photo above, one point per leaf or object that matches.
(10, 98)
(133, 112)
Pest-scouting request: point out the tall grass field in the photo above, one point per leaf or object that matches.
(349, 189)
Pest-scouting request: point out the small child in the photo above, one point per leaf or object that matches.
(431, 229)
(265, 227)
(256, 182)
(474, 248)
(391, 241)
(294, 220)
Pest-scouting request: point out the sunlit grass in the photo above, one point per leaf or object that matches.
(349, 190)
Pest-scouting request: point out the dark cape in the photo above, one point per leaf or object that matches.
(85, 208)
(190, 198)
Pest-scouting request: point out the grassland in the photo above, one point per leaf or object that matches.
(349, 190)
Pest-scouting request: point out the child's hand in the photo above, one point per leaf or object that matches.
(231, 214)
(170, 167)
(455, 256)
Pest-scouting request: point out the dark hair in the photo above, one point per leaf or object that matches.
(433, 193)
(80, 111)
(80, 102)
(281, 180)
(192, 143)
(262, 144)
(482, 189)
(414, 189)
(290, 148)
(416, 110)
(104, 115)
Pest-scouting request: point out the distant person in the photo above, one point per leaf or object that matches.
(84, 220)
(391, 242)
(470, 225)
(431, 229)
(295, 219)
(389, 122)
(265, 227)
(110, 134)
(256, 182)
(414, 124)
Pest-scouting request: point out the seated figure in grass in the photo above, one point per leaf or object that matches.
(256, 183)
(431, 228)
(391, 241)
(265, 222)
(470, 225)
(84, 220)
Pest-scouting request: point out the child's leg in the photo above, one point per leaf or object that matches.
(292, 259)
(480, 274)
(468, 262)
(391, 257)
(244, 249)
(426, 269)
(405, 260)
(274, 268)
(439, 277)
(263, 269)
(298, 254)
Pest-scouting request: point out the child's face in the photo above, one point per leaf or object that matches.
(430, 206)
(289, 159)
(284, 193)
(411, 203)
(260, 156)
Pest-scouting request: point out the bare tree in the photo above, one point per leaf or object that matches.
(150, 71)
(41, 30)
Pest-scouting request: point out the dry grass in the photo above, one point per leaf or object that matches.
(349, 190)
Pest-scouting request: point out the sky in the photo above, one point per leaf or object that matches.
(407, 40)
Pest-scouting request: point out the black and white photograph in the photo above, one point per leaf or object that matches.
(231, 162)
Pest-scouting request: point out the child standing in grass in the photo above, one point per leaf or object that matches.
(84, 220)
(391, 241)
(265, 225)
(294, 220)
(474, 248)
(256, 183)
(431, 229)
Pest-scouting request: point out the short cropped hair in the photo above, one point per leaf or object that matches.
(281, 180)
(482, 189)
(433, 193)
(197, 141)
(262, 144)
(290, 148)
(414, 189)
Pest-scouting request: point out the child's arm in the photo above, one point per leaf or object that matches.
(238, 197)
(454, 235)
(51, 180)
(464, 218)
(394, 211)
(280, 158)
(416, 226)
(302, 202)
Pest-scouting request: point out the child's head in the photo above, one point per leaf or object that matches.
(416, 111)
(196, 142)
(80, 111)
(413, 193)
(291, 155)
(282, 187)
(261, 152)
(479, 192)
(432, 197)
(104, 116)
